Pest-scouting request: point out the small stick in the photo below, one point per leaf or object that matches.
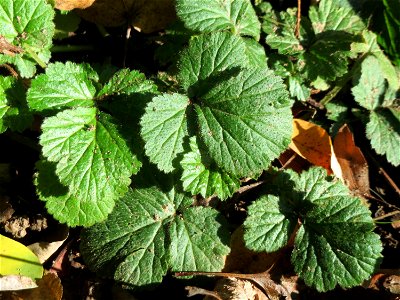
(11, 70)
(297, 30)
(393, 213)
(385, 174)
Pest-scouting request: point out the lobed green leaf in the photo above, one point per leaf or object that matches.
(93, 160)
(237, 16)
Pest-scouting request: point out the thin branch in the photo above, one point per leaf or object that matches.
(393, 213)
(297, 30)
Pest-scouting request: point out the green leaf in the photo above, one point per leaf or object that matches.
(63, 86)
(67, 207)
(127, 82)
(371, 85)
(14, 111)
(384, 132)
(210, 54)
(93, 160)
(335, 243)
(199, 240)
(255, 53)
(331, 16)
(27, 25)
(245, 123)
(164, 126)
(269, 224)
(298, 89)
(279, 28)
(198, 178)
(370, 45)
(145, 236)
(328, 57)
(238, 16)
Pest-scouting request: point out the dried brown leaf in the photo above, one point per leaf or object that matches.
(352, 166)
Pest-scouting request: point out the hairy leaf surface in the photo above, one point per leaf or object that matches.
(237, 16)
(245, 122)
(210, 54)
(164, 126)
(198, 178)
(127, 82)
(335, 243)
(146, 235)
(63, 86)
(93, 160)
(28, 26)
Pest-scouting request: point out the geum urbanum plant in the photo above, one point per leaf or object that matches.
(228, 118)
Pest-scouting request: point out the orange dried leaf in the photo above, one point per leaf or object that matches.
(352, 168)
(311, 142)
(72, 4)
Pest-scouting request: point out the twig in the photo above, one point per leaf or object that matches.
(10, 69)
(370, 197)
(385, 174)
(297, 30)
(393, 213)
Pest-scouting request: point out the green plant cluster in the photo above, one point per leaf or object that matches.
(123, 157)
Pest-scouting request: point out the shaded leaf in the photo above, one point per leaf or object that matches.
(139, 241)
(209, 54)
(93, 160)
(245, 122)
(198, 178)
(14, 111)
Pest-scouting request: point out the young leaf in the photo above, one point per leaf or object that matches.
(143, 238)
(164, 126)
(14, 111)
(335, 243)
(197, 178)
(279, 28)
(28, 26)
(331, 16)
(245, 122)
(237, 16)
(210, 54)
(127, 82)
(93, 160)
(384, 133)
(63, 86)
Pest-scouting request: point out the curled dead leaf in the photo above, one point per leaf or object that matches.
(350, 165)
(145, 15)
(312, 142)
